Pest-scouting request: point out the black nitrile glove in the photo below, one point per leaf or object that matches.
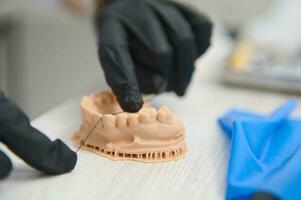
(149, 45)
(30, 144)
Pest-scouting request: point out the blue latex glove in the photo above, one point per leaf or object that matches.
(265, 153)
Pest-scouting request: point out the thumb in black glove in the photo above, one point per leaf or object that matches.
(30, 144)
(145, 45)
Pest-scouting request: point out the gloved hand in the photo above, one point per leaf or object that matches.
(30, 144)
(149, 46)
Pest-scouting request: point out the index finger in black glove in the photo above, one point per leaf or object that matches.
(37, 150)
(144, 44)
(5, 165)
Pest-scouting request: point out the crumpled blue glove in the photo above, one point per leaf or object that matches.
(265, 153)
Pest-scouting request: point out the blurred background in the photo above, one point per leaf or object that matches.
(48, 49)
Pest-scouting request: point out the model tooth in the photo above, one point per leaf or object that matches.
(98, 102)
(165, 115)
(121, 120)
(152, 114)
(106, 99)
(144, 116)
(133, 119)
(111, 97)
(161, 116)
(108, 121)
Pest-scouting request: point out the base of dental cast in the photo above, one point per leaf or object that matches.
(146, 136)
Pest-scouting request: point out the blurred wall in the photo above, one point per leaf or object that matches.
(231, 13)
(2, 62)
(50, 56)
(2, 65)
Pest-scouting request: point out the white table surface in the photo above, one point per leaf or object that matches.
(201, 175)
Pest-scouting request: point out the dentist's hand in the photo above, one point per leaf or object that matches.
(50, 157)
(147, 46)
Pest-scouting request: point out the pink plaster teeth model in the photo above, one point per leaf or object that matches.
(146, 136)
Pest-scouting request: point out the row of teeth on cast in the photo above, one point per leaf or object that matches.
(144, 116)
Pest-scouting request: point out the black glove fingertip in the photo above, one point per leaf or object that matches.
(130, 103)
(5, 165)
(68, 159)
(129, 98)
(61, 160)
(130, 106)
